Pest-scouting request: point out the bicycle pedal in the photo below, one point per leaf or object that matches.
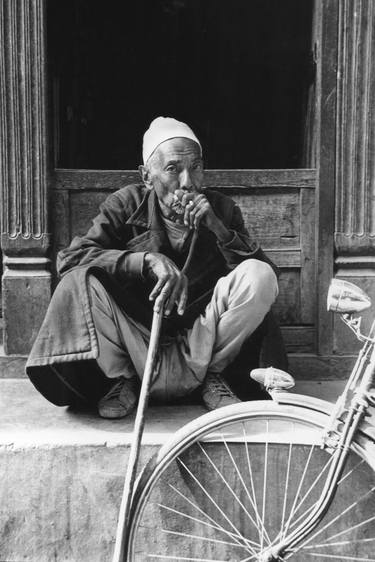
(274, 380)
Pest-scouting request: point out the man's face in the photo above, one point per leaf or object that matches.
(175, 165)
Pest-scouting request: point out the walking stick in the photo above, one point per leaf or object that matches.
(123, 518)
(125, 508)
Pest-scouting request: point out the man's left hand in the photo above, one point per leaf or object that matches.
(198, 211)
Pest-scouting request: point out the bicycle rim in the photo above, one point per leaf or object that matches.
(236, 480)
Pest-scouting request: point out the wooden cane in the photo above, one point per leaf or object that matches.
(124, 513)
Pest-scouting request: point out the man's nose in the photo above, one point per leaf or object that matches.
(186, 181)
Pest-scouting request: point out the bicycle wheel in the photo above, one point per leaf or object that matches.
(234, 481)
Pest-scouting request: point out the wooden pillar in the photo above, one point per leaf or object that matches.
(327, 38)
(23, 119)
(355, 149)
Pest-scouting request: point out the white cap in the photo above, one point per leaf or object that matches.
(162, 129)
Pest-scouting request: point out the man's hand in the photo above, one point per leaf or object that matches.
(198, 211)
(171, 285)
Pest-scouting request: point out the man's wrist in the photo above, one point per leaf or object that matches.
(221, 232)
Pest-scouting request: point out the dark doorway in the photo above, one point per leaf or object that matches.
(238, 72)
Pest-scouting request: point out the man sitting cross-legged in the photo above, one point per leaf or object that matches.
(131, 260)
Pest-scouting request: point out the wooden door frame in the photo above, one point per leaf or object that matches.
(326, 20)
(326, 14)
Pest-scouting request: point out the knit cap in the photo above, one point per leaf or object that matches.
(162, 129)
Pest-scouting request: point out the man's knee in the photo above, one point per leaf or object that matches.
(259, 277)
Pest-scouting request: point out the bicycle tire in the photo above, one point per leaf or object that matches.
(192, 502)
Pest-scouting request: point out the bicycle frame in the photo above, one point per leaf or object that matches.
(338, 435)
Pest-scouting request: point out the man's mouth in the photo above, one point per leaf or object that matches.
(177, 207)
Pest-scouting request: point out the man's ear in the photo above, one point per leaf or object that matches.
(145, 175)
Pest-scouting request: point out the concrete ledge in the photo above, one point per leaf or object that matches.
(62, 475)
(12, 366)
(28, 420)
(62, 472)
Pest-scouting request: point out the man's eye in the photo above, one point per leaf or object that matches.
(197, 166)
(171, 169)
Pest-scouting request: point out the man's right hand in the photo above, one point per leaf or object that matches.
(171, 285)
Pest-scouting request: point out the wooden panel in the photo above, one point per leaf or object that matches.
(307, 366)
(83, 208)
(299, 339)
(288, 303)
(308, 265)
(227, 179)
(285, 258)
(327, 79)
(61, 219)
(273, 218)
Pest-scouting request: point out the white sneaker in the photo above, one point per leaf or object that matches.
(120, 400)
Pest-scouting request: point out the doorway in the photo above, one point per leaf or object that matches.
(240, 73)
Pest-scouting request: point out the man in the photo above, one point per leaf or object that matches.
(132, 260)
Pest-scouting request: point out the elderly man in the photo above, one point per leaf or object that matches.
(132, 260)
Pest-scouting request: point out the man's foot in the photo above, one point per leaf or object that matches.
(120, 400)
(216, 393)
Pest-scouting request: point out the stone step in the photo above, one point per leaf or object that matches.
(11, 366)
(62, 472)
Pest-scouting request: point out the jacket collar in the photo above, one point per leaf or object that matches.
(147, 214)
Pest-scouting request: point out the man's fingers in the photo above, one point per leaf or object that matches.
(188, 208)
(198, 216)
(156, 290)
(175, 294)
(163, 296)
(181, 303)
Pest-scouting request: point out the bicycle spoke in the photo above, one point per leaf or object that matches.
(198, 537)
(255, 505)
(286, 485)
(251, 550)
(350, 472)
(340, 557)
(201, 522)
(325, 467)
(340, 543)
(294, 509)
(351, 528)
(215, 525)
(247, 491)
(226, 483)
(308, 540)
(264, 485)
(166, 557)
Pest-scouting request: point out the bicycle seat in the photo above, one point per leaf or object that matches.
(274, 380)
(346, 298)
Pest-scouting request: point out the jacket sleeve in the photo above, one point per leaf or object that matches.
(241, 246)
(103, 245)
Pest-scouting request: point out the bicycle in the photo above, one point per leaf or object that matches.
(290, 478)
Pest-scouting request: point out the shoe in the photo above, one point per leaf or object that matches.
(120, 400)
(216, 393)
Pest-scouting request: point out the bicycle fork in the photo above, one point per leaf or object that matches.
(354, 414)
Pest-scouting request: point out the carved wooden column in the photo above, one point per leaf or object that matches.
(23, 119)
(355, 148)
(355, 173)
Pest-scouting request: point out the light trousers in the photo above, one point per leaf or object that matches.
(238, 305)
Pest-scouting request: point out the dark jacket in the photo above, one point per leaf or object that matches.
(129, 225)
